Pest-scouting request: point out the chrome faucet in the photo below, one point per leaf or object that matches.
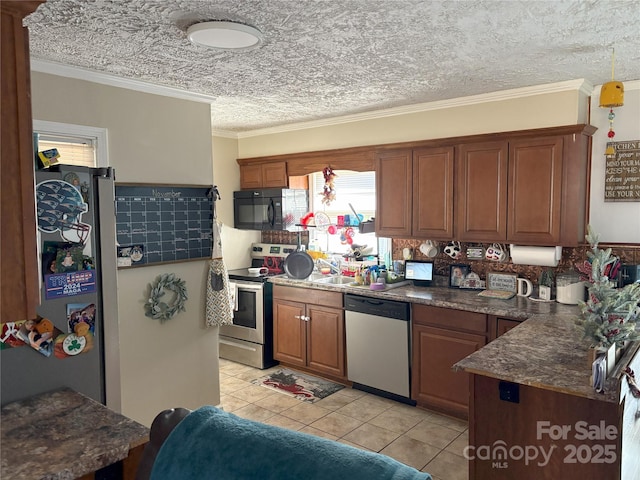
(337, 270)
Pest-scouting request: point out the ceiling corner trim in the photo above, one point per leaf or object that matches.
(224, 133)
(568, 85)
(53, 68)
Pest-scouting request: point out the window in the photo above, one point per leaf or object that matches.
(72, 150)
(355, 188)
(77, 144)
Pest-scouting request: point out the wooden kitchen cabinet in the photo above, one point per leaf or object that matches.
(534, 191)
(442, 337)
(289, 332)
(19, 276)
(264, 175)
(414, 190)
(433, 193)
(309, 330)
(500, 325)
(481, 192)
(531, 190)
(394, 186)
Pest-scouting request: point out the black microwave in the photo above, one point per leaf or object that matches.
(269, 208)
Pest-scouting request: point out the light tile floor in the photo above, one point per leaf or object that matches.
(426, 440)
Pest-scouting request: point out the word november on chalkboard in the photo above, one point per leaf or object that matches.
(622, 175)
(163, 223)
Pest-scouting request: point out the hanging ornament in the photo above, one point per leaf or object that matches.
(611, 95)
(329, 191)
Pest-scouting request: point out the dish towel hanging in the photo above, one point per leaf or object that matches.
(233, 296)
(219, 310)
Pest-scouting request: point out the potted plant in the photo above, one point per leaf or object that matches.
(545, 284)
(609, 315)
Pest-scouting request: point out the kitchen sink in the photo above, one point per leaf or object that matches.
(315, 276)
(334, 280)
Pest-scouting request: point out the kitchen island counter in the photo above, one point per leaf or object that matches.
(63, 434)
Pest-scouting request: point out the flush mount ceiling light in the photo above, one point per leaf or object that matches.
(224, 35)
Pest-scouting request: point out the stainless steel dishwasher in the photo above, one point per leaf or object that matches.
(378, 346)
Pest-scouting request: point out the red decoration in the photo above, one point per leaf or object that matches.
(304, 221)
(329, 192)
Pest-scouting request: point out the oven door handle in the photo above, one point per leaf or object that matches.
(253, 286)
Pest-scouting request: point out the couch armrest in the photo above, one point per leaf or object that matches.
(162, 426)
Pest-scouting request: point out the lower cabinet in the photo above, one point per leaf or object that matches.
(309, 330)
(500, 325)
(442, 337)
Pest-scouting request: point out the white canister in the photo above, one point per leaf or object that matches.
(570, 289)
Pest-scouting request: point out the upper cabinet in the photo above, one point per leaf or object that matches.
(414, 190)
(394, 185)
(530, 191)
(264, 175)
(433, 193)
(481, 192)
(528, 187)
(534, 197)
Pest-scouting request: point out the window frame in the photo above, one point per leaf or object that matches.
(97, 134)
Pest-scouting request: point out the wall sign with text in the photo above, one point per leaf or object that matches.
(622, 175)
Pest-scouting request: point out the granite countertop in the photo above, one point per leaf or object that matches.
(461, 299)
(549, 352)
(546, 350)
(63, 435)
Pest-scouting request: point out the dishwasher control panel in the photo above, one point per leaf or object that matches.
(377, 307)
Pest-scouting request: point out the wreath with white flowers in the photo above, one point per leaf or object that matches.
(155, 307)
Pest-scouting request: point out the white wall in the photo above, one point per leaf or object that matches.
(152, 139)
(469, 118)
(226, 174)
(614, 221)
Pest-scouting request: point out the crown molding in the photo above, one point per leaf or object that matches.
(224, 133)
(55, 68)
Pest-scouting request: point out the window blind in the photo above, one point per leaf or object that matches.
(72, 150)
(355, 188)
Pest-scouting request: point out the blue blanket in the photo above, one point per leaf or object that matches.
(212, 444)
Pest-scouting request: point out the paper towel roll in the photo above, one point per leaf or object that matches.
(543, 256)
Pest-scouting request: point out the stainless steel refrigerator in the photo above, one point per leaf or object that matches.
(73, 342)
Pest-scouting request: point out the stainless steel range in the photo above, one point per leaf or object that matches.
(250, 339)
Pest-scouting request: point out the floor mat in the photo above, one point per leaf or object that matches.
(298, 385)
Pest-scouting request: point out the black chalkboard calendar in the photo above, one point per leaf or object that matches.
(163, 223)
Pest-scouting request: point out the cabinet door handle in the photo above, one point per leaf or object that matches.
(299, 317)
(306, 319)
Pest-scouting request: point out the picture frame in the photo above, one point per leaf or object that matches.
(506, 282)
(457, 273)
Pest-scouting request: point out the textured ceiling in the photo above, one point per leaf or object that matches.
(323, 59)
